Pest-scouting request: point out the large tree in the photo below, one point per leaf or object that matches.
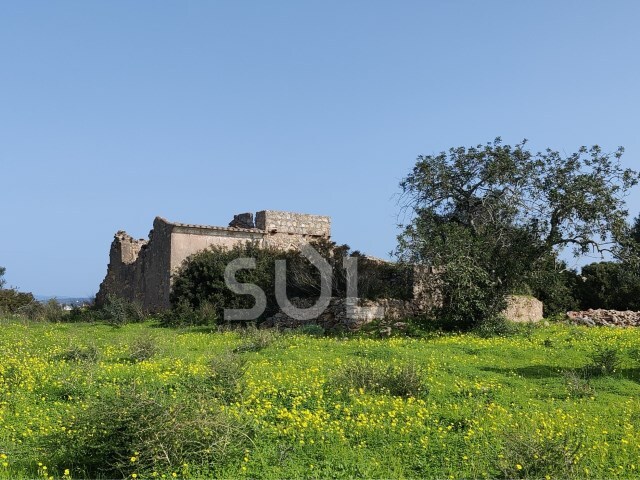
(487, 216)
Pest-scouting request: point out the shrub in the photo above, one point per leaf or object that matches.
(84, 314)
(143, 348)
(531, 454)
(311, 329)
(64, 387)
(496, 326)
(129, 431)
(401, 381)
(184, 315)
(77, 353)
(577, 386)
(225, 375)
(604, 361)
(609, 285)
(256, 339)
(200, 280)
(555, 285)
(12, 301)
(634, 354)
(51, 311)
(119, 311)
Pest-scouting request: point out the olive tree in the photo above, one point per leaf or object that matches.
(488, 216)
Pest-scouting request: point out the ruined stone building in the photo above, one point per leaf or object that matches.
(140, 270)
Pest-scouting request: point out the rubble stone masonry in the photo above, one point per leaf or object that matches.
(140, 270)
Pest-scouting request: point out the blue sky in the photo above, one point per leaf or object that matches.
(114, 112)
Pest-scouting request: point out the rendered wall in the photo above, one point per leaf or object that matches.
(187, 241)
(141, 270)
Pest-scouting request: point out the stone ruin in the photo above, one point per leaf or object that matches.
(605, 318)
(140, 270)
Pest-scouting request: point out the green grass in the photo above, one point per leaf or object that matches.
(152, 402)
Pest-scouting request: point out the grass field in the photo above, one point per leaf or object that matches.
(85, 400)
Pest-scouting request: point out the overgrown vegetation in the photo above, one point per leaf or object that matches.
(406, 380)
(106, 402)
(200, 295)
(611, 285)
(486, 217)
(138, 429)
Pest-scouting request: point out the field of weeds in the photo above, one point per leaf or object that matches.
(139, 401)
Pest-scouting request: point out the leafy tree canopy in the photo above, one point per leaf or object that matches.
(490, 214)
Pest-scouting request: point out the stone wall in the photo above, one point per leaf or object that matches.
(140, 270)
(121, 272)
(605, 318)
(293, 223)
(189, 239)
(286, 230)
(340, 316)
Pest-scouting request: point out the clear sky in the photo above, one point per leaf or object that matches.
(114, 112)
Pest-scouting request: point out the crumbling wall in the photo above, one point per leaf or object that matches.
(606, 318)
(121, 271)
(153, 268)
(288, 230)
(141, 270)
(138, 270)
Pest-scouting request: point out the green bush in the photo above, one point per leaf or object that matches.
(200, 282)
(11, 301)
(609, 285)
(604, 361)
(578, 386)
(402, 381)
(496, 326)
(311, 329)
(118, 311)
(77, 353)
(225, 376)
(50, 312)
(143, 348)
(526, 453)
(132, 431)
(256, 339)
(184, 315)
(554, 284)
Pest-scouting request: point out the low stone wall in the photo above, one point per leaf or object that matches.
(339, 315)
(605, 318)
